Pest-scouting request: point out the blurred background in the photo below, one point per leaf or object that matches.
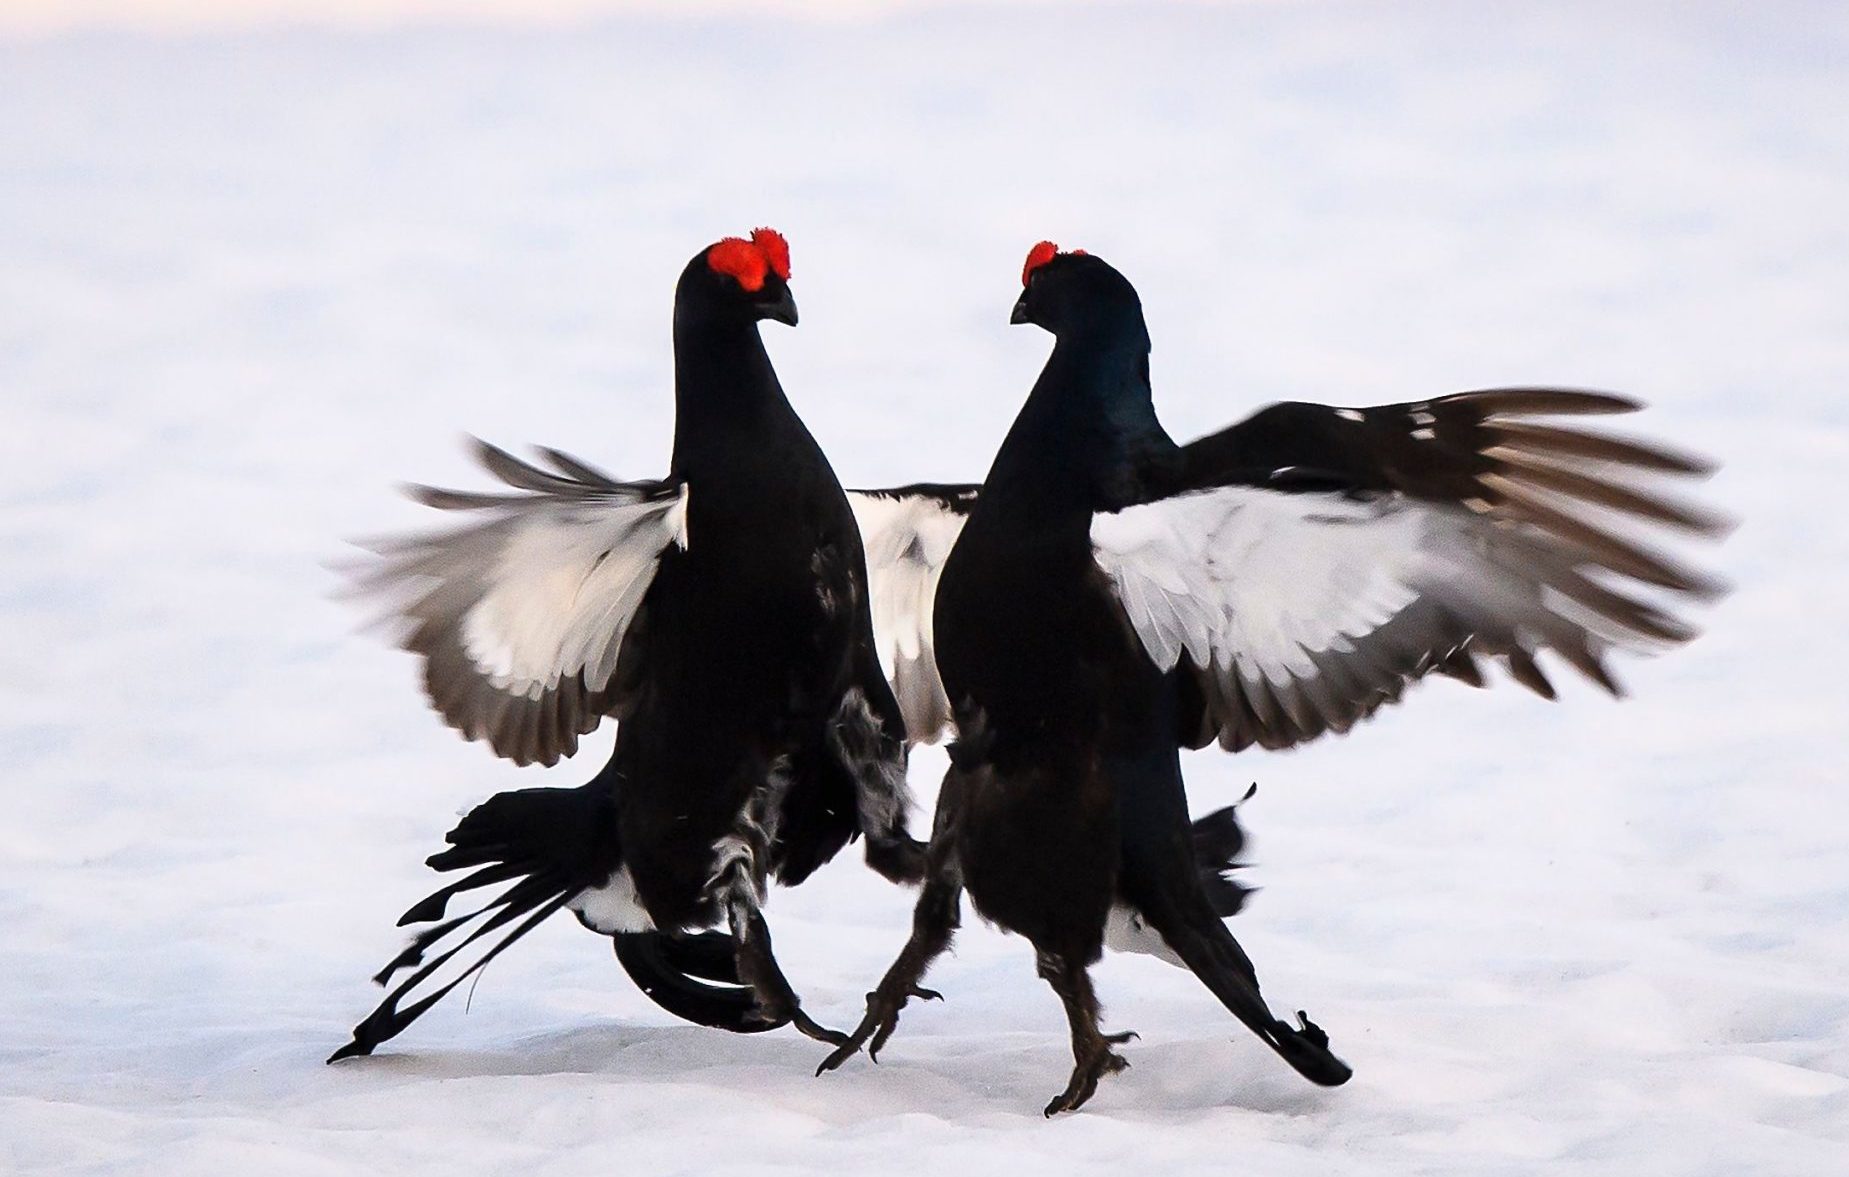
(261, 260)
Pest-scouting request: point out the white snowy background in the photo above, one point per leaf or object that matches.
(257, 263)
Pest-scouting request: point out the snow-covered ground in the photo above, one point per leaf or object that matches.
(250, 278)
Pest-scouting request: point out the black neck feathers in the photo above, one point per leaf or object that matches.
(1088, 438)
(724, 386)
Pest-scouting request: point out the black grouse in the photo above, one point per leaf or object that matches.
(721, 615)
(1114, 597)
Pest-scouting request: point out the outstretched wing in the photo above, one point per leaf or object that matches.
(520, 614)
(1312, 562)
(908, 532)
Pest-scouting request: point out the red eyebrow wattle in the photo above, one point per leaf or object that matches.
(1038, 256)
(742, 260)
(775, 249)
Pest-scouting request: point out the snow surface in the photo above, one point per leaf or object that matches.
(249, 278)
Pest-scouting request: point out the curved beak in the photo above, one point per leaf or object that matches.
(783, 309)
(1019, 315)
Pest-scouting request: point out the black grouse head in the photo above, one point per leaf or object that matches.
(1066, 292)
(738, 278)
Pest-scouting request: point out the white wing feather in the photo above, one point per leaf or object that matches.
(907, 537)
(1307, 611)
(520, 615)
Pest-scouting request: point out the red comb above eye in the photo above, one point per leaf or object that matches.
(1038, 256)
(742, 260)
(775, 249)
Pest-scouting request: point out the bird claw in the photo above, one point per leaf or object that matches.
(852, 1044)
(875, 1028)
(1085, 1078)
(816, 1030)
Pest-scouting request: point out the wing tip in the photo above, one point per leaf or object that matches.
(1544, 400)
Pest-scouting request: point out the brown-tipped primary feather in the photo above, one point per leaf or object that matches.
(1548, 440)
(1640, 618)
(574, 468)
(1565, 402)
(1576, 647)
(1460, 665)
(1616, 553)
(1522, 669)
(522, 475)
(1264, 707)
(1300, 702)
(455, 500)
(1613, 495)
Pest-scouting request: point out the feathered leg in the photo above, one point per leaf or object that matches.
(548, 844)
(1092, 1056)
(737, 886)
(934, 922)
(935, 919)
(868, 737)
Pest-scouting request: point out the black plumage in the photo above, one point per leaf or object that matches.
(1114, 597)
(721, 616)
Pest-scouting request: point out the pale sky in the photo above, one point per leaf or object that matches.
(52, 16)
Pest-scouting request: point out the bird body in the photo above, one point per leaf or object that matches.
(756, 634)
(1019, 593)
(1075, 806)
(722, 616)
(1113, 598)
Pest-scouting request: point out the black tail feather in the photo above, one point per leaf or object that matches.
(712, 956)
(676, 973)
(523, 896)
(388, 1020)
(1188, 917)
(1218, 840)
(1214, 956)
(431, 907)
(550, 843)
